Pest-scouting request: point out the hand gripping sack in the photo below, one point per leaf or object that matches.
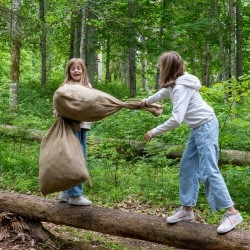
(80, 103)
(61, 163)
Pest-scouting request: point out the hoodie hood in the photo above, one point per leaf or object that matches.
(189, 80)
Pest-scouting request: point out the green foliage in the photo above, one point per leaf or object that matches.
(19, 172)
(117, 89)
(230, 101)
(238, 181)
(35, 106)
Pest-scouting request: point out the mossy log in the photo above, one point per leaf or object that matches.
(185, 235)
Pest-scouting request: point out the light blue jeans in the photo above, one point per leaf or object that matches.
(200, 163)
(78, 190)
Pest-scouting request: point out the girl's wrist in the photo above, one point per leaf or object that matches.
(143, 103)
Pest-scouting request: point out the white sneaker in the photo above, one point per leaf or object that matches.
(79, 201)
(179, 215)
(229, 222)
(62, 197)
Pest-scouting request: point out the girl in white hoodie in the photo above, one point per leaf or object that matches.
(200, 158)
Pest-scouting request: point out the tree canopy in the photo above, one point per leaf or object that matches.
(212, 37)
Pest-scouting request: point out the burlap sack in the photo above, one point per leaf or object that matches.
(61, 163)
(80, 103)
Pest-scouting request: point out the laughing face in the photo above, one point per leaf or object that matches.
(76, 72)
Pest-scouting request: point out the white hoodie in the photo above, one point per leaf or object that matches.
(188, 105)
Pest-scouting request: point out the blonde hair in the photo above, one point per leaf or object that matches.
(84, 79)
(171, 67)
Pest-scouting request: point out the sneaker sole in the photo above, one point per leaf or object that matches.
(63, 200)
(231, 228)
(80, 204)
(172, 222)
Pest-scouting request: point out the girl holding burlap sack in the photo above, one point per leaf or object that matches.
(76, 73)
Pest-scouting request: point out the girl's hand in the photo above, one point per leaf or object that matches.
(143, 103)
(149, 136)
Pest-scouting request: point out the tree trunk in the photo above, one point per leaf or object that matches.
(43, 43)
(108, 60)
(131, 65)
(222, 48)
(83, 52)
(15, 56)
(143, 73)
(239, 63)
(72, 37)
(89, 36)
(78, 33)
(143, 65)
(132, 71)
(232, 14)
(188, 235)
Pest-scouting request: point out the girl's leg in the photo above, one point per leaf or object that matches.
(74, 192)
(206, 137)
(189, 175)
(189, 183)
(81, 135)
(215, 187)
(75, 195)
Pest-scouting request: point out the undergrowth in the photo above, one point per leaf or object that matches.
(120, 163)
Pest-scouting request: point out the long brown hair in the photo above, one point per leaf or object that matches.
(84, 79)
(171, 67)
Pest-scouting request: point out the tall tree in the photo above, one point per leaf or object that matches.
(131, 66)
(15, 55)
(232, 14)
(222, 47)
(239, 60)
(90, 45)
(75, 32)
(108, 50)
(43, 42)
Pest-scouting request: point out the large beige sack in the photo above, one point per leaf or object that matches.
(80, 103)
(61, 163)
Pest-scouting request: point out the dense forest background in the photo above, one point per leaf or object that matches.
(120, 42)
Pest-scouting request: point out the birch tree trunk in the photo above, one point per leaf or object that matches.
(15, 56)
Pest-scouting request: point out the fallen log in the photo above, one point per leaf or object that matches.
(186, 235)
(235, 157)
